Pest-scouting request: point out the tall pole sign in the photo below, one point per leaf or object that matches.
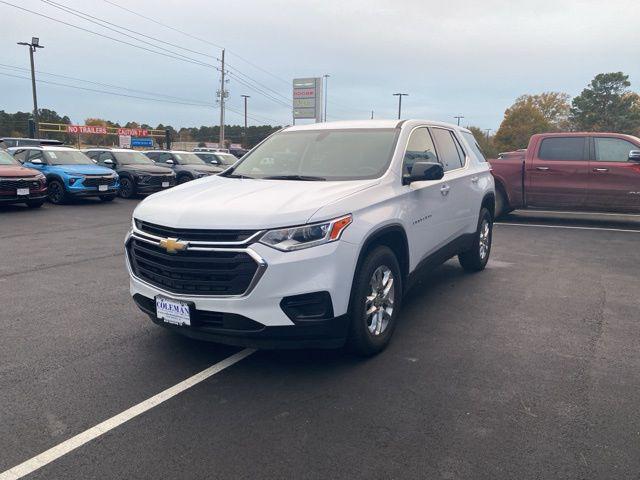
(307, 98)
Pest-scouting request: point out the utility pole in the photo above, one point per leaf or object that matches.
(35, 43)
(371, 114)
(459, 117)
(222, 93)
(245, 120)
(400, 95)
(326, 94)
(487, 130)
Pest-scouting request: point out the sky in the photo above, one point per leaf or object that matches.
(465, 58)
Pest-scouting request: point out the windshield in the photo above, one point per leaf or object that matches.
(132, 158)
(67, 157)
(188, 159)
(6, 159)
(321, 155)
(217, 158)
(226, 158)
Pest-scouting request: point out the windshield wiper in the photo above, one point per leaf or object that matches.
(305, 178)
(237, 175)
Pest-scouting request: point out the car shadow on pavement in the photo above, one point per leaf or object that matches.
(573, 219)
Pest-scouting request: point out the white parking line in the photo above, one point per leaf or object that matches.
(561, 226)
(67, 446)
(583, 213)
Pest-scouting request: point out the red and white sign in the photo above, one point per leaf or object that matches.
(304, 92)
(133, 132)
(86, 129)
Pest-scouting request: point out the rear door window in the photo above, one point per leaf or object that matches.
(609, 149)
(563, 148)
(448, 151)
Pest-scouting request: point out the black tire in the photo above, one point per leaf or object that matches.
(475, 259)
(502, 204)
(35, 203)
(108, 198)
(183, 179)
(127, 187)
(368, 333)
(56, 192)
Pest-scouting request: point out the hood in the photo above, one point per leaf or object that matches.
(148, 169)
(232, 203)
(9, 171)
(84, 169)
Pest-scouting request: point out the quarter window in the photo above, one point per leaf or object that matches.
(419, 149)
(613, 149)
(474, 146)
(449, 155)
(562, 148)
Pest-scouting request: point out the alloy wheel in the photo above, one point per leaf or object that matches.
(379, 303)
(485, 238)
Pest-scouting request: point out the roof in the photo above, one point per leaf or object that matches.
(53, 148)
(108, 149)
(165, 151)
(377, 123)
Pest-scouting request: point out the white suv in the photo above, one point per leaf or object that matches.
(311, 239)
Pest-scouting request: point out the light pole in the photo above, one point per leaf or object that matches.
(326, 93)
(458, 117)
(35, 43)
(245, 119)
(487, 130)
(400, 95)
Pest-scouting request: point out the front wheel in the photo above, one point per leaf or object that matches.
(127, 188)
(375, 302)
(476, 258)
(56, 192)
(184, 179)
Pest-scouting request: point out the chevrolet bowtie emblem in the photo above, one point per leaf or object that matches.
(173, 245)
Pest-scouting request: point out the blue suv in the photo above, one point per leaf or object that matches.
(70, 173)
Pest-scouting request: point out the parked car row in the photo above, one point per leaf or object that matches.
(33, 172)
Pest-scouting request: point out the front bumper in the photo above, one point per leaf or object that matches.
(328, 267)
(82, 191)
(32, 197)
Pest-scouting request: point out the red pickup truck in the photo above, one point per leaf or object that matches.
(597, 172)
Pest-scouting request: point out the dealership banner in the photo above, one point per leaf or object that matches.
(134, 132)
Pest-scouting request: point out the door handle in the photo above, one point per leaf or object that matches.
(444, 190)
(600, 169)
(475, 179)
(544, 169)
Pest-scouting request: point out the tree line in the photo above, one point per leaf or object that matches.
(606, 105)
(17, 125)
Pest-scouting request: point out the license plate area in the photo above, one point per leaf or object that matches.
(174, 312)
(22, 192)
(165, 184)
(103, 188)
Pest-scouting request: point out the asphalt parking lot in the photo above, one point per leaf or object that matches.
(526, 370)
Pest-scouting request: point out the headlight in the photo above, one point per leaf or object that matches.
(73, 180)
(305, 236)
(143, 178)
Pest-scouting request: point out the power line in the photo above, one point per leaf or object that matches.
(196, 104)
(182, 58)
(157, 22)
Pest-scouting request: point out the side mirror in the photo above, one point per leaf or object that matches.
(108, 162)
(422, 171)
(169, 162)
(634, 155)
(36, 161)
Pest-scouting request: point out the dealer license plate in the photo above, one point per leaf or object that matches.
(165, 184)
(103, 188)
(23, 191)
(173, 311)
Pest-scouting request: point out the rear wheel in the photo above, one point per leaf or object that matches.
(375, 301)
(476, 258)
(56, 192)
(127, 188)
(501, 203)
(184, 179)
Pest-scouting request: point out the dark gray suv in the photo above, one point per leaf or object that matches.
(188, 166)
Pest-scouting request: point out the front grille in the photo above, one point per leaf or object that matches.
(157, 180)
(14, 184)
(192, 272)
(196, 235)
(97, 181)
